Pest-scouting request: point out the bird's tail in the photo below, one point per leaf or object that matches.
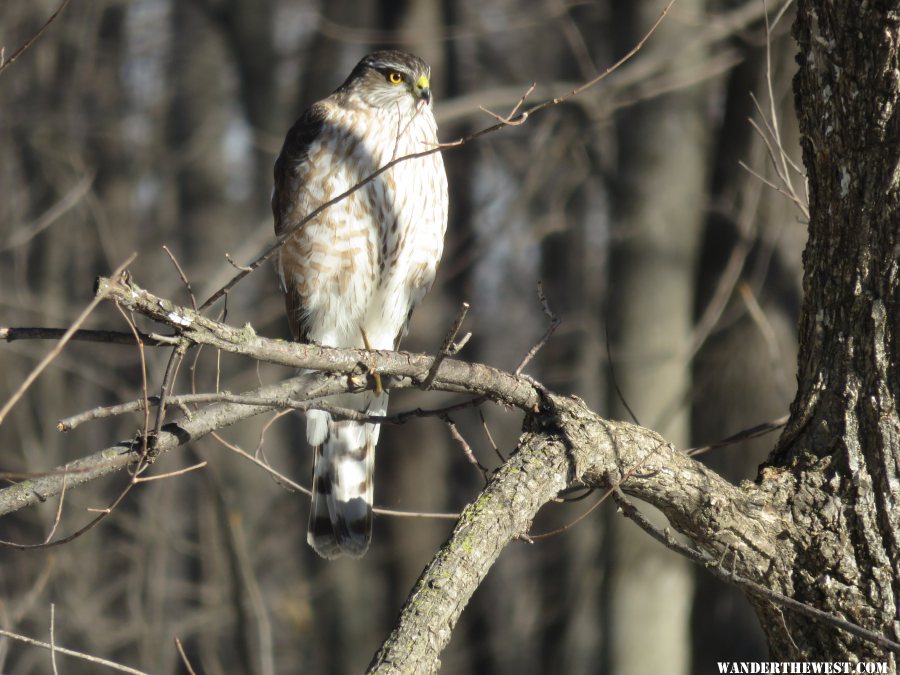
(340, 520)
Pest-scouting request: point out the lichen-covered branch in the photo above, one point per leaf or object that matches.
(565, 444)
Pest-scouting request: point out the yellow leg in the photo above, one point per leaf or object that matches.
(378, 388)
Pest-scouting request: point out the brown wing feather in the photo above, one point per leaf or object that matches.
(290, 170)
(289, 167)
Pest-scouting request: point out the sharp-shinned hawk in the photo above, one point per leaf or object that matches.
(353, 274)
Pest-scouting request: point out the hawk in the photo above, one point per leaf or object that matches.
(353, 275)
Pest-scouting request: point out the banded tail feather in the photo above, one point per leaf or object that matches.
(340, 517)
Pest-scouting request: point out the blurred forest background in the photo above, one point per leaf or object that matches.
(132, 125)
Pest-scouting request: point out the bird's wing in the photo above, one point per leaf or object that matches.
(292, 169)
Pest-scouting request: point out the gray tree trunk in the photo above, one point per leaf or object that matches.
(656, 242)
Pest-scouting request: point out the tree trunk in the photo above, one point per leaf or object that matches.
(657, 238)
(838, 462)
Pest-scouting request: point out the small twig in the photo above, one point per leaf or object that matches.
(84, 335)
(101, 515)
(235, 265)
(296, 487)
(144, 389)
(745, 435)
(170, 474)
(612, 372)
(545, 338)
(149, 440)
(613, 486)
(184, 658)
(467, 449)
(487, 432)
(262, 433)
(71, 652)
(257, 605)
(766, 181)
(768, 333)
(53, 353)
(51, 215)
(447, 347)
(59, 510)
(669, 541)
(512, 120)
(184, 279)
(30, 41)
(53, 638)
(415, 514)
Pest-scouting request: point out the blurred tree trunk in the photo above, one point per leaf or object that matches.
(248, 27)
(744, 370)
(653, 261)
(195, 126)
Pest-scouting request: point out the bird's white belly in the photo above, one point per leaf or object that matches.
(364, 263)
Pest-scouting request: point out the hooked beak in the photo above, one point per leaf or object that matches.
(423, 89)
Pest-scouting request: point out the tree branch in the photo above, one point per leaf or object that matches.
(120, 455)
(565, 444)
(454, 376)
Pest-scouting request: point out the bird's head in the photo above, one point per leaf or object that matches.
(391, 78)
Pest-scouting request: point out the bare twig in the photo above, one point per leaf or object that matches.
(51, 215)
(30, 41)
(467, 449)
(184, 279)
(554, 324)
(513, 119)
(59, 510)
(231, 261)
(184, 658)
(71, 652)
(447, 347)
(138, 405)
(296, 487)
(101, 515)
(53, 353)
(745, 435)
(144, 391)
(768, 333)
(149, 439)
(53, 638)
(84, 335)
(490, 437)
(170, 474)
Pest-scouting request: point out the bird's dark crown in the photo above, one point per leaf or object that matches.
(386, 60)
(394, 58)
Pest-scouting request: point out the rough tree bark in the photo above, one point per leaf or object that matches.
(836, 468)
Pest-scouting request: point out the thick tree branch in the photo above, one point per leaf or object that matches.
(455, 376)
(565, 444)
(120, 455)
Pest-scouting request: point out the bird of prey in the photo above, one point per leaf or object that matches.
(354, 273)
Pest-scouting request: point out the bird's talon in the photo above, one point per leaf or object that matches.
(379, 390)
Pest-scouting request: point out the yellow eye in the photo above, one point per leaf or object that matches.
(395, 77)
